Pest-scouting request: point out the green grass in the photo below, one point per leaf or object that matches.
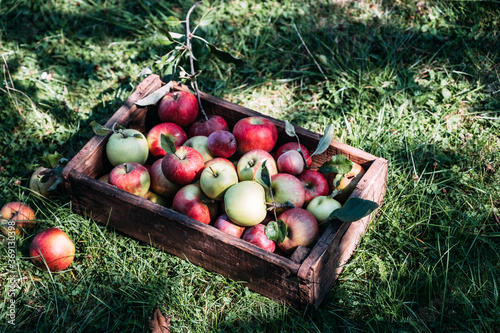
(415, 82)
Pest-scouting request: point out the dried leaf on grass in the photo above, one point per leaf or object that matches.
(159, 323)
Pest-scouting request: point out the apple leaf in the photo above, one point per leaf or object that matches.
(289, 129)
(225, 56)
(172, 21)
(276, 231)
(207, 18)
(353, 210)
(167, 144)
(154, 97)
(338, 163)
(50, 161)
(324, 142)
(163, 37)
(145, 71)
(265, 178)
(99, 129)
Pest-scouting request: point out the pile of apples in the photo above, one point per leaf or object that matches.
(51, 249)
(238, 180)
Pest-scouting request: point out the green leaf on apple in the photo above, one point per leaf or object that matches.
(265, 178)
(154, 97)
(167, 144)
(353, 210)
(289, 129)
(338, 164)
(325, 141)
(99, 129)
(276, 231)
(225, 56)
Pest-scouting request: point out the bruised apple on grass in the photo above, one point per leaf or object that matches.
(52, 249)
(16, 217)
(42, 180)
(179, 107)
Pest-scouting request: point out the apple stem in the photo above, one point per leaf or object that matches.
(126, 167)
(213, 172)
(191, 60)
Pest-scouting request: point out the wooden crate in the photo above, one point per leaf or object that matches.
(301, 283)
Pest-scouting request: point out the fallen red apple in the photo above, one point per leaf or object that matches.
(224, 223)
(172, 131)
(131, 177)
(16, 217)
(257, 236)
(302, 229)
(183, 167)
(52, 249)
(255, 133)
(179, 107)
(191, 201)
(206, 127)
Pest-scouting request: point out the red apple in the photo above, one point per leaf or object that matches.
(286, 187)
(257, 236)
(255, 133)
(224, 223)
(207, 127)
(314, 183)
(294, 146)
(220, 159)
(222, 143)
(16, 217)
(302, 229)
(171, 131)
(131, 177)
(191, 201)
(160, 184)
(183, 167)
(179, 107)
(52, 249)
(249, 165)
(290, 162)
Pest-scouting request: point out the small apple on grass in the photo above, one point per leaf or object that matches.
(224, 223)
(222, 144)
(179, 107)
(16, 217)
(255, 133)
(131, 177)
(47, 179)
(257, 236)
(124, 145)
(191, 201)
(216, 179)
(170, 130)
(52, 250)
(207, 126)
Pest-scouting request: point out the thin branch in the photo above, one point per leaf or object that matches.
(309, 52)
(188, 46)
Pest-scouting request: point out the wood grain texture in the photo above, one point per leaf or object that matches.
(301, 280)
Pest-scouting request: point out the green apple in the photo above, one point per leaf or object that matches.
(199, 143)
(127, 145)
(216, 179)
(245, 203)
(322, 206)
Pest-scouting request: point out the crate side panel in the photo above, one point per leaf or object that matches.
(187, 239)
